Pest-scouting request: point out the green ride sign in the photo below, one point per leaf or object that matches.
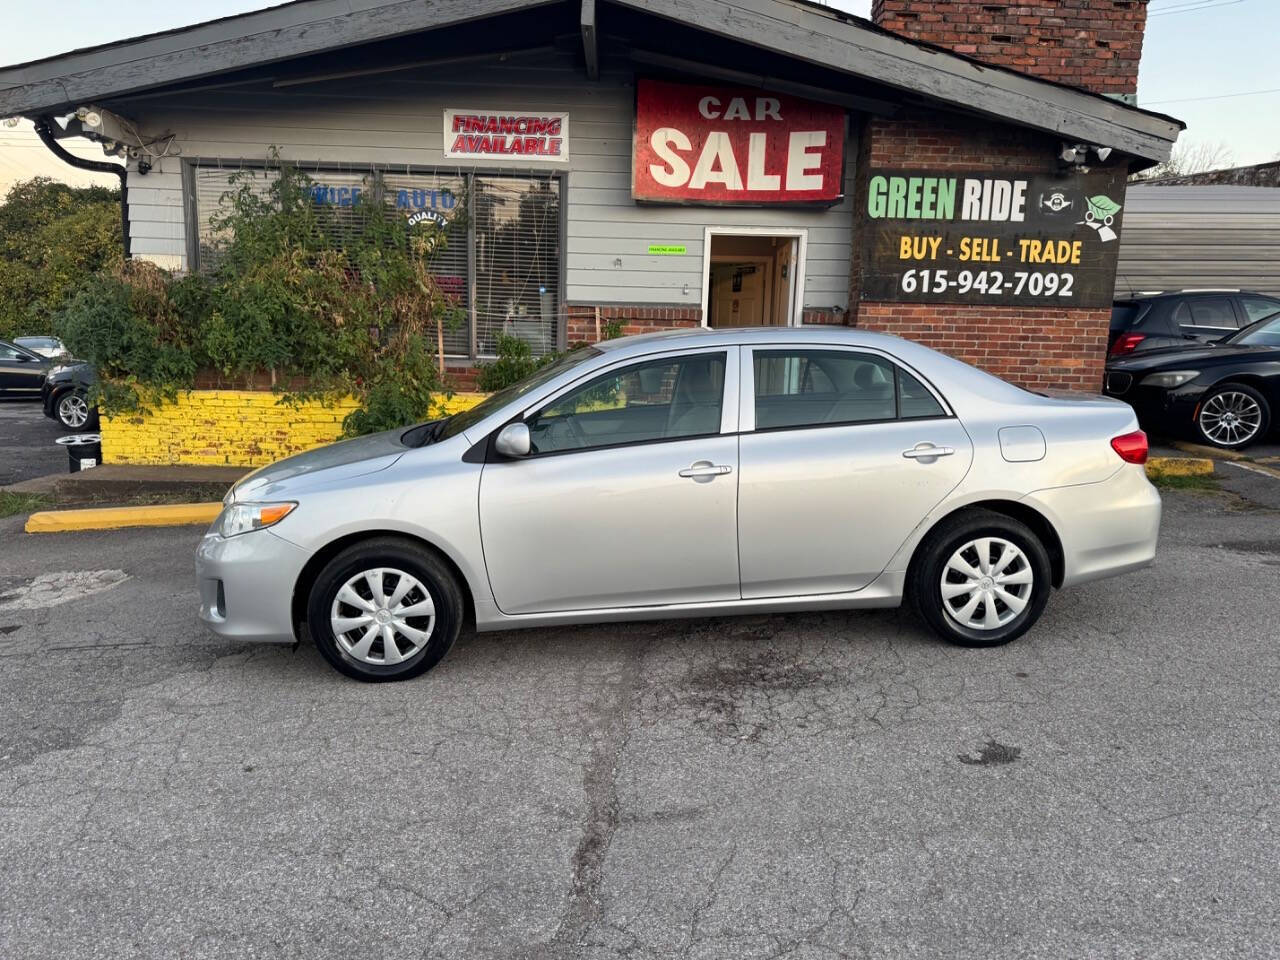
(979, 237)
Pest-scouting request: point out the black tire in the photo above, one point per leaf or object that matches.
(419, 563)
(1224, 393)
(62, 413)
(924, 579)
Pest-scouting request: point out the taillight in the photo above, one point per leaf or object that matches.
(1126, 343)
(1132, 447)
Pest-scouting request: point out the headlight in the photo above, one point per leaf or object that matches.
(1174, 378)
(238, 518)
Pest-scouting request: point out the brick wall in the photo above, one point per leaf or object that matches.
(582, 320)
(1049, 347)
(1093, 44)
(243, 428)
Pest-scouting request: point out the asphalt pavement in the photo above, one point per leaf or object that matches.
(838, 785)
(28, 447)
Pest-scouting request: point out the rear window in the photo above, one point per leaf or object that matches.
(1123, 315)
(1255, 308)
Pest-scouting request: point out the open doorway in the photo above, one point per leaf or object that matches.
(751, 278)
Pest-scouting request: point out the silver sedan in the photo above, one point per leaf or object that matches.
(691, 474)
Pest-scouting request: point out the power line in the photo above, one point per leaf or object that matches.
(1220, 96)
(1194, 7)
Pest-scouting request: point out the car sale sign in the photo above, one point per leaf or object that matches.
(715, 145)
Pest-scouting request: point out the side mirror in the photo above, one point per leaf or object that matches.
(513, 440)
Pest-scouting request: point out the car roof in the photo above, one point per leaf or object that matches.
(728, 336)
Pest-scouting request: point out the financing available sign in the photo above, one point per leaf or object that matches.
(715, 145)
(506, 135)
(983, 237)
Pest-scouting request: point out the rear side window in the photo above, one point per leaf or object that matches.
(802, 388)
(1212, 312)
(1255, 308)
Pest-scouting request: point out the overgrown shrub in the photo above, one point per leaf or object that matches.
(515, 362)
(326, 302)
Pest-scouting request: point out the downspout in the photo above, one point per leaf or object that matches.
(44, 130)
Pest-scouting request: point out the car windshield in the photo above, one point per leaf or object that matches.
(36, 342)
(495, 401)
(1264, 333)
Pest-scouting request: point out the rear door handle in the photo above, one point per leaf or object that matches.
(927, 451)
(703, 471)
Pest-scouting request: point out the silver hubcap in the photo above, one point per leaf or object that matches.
(1230, 417)
(382, 616)
(73, 411)
(986, 583)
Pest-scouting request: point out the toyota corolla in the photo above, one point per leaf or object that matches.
(699, 473)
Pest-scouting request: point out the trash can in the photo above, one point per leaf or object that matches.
(83, 449)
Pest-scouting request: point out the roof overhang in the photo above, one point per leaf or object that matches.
(803, 32)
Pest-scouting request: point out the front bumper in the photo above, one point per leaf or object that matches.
(246, 585)
(1106, 528)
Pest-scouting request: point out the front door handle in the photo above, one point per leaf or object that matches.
(927, 451)
(704, 471)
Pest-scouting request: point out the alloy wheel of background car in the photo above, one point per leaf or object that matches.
(986, 583)
(384, 609)
(980, 578)
(1233, 416)
(382, 616)
(73, 410)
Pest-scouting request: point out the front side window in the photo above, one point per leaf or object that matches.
(798, 388)
(667, 399)
(1255, 308)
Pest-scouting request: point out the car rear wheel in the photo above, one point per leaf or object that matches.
(384, 609)
(980, 579)
(1233, 416)
(74, 412)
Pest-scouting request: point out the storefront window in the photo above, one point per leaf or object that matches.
(502, 260)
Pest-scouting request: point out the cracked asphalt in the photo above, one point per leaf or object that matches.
(808, 786)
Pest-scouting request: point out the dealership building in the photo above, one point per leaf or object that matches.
(949, 171)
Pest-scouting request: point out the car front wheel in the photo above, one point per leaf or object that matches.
(384, 609)
(980, 579)
(1233, 416)
(74, 412)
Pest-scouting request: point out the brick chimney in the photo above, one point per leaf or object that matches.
(1093, 44)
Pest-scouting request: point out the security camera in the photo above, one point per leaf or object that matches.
(144, 165)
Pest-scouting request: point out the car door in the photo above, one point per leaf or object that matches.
(842, 453)
(21, 372)
(628, 497)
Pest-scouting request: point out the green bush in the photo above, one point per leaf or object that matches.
(515, 362)
(52, 238)
(327, 302)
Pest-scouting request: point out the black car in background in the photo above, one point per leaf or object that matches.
(66, 396)
(22, 371)
(1153, 321)
(1223, 393)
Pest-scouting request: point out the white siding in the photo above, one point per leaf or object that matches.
(1200, 236)
(398, 119)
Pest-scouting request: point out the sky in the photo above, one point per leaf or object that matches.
(1198, 58)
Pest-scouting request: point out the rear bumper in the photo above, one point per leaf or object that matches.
(1106, 528)
(246, 585)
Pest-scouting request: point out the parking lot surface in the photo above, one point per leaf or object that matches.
(806, 786)
(28, 446)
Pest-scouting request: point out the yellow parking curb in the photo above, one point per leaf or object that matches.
(1179, 466)
(115, 518)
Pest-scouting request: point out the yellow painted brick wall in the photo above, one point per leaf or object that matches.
(241, 428)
